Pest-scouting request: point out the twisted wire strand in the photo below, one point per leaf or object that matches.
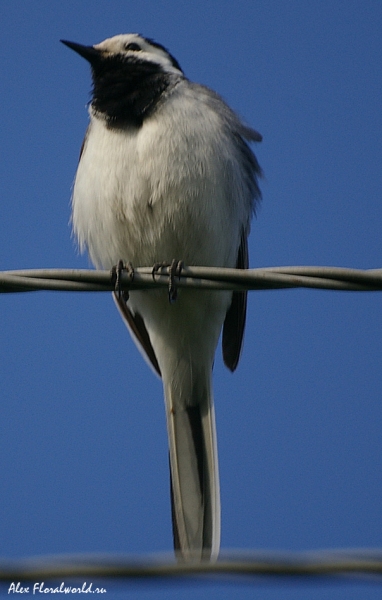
(83, 280)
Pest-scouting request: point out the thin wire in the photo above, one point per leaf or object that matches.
(329, 278)
(351, 563)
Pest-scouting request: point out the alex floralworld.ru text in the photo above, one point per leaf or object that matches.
(40, 588)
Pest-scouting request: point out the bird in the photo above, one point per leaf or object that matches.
(167, 176)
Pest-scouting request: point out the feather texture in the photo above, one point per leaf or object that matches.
(166, 172)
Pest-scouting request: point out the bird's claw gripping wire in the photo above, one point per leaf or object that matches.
(174, 271)
(116, 274)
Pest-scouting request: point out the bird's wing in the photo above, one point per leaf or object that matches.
(234, 324)
(138, 331)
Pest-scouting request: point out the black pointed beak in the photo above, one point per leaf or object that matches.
(90, 53)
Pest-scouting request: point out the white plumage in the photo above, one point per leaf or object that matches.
(166, 175)
(136, 192)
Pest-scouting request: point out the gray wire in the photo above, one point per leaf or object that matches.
(330, 278)
(351, 563)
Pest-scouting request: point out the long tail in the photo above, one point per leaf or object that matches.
(195, 494)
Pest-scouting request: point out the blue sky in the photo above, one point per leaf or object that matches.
(83, 441)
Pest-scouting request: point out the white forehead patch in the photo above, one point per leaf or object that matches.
(149, 52)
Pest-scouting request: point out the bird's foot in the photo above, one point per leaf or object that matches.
(116, 273)
(175, 270)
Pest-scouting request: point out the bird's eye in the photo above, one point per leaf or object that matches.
(132, 46)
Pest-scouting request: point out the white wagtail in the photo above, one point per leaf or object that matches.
(166, 172)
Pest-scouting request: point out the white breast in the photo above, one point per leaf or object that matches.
(170, 189)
